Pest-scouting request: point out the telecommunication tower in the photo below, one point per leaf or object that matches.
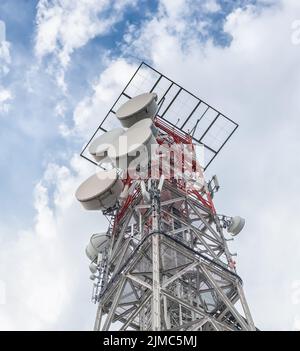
(163, 263)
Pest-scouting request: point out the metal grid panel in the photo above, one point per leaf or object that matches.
(180, 108)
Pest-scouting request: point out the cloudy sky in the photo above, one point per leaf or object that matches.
(63, 63)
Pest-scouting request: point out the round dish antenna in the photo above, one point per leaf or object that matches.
(100, 191)
(135, 142)
(93, 268)
(137, 108)
(99, 146)
(147, 123)
(236, 225)
(97, 245)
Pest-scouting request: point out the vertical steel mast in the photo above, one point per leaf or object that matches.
(164, 263)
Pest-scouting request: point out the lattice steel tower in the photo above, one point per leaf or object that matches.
(163, 263)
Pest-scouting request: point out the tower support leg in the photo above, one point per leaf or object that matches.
(156, 320)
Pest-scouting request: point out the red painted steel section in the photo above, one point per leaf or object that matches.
(174, 136)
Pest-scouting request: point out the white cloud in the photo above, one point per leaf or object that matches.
(5, 98)
(64, 26)
(2, 31)
(296, 32)
(296, 326)
(5, 61)
(211, 6)
(174, 30)
(44, 269)
(92, 109)
(35, 296)
(5, 58)
(173, 9)
(60, 108)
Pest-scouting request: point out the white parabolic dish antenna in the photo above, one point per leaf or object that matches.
(236, 226)
(100, 191)
(148, 123)
(137, 108)
(99, 146)
(97, 244)
(135, 142)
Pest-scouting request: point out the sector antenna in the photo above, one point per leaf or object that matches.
(164, 261)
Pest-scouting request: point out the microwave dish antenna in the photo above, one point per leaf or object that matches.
(98, 148)
(100, 191)
(138, 108)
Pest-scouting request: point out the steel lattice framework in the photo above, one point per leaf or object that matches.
(169, 269)
(167, 265)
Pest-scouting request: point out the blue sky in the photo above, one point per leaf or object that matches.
(68, 60)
